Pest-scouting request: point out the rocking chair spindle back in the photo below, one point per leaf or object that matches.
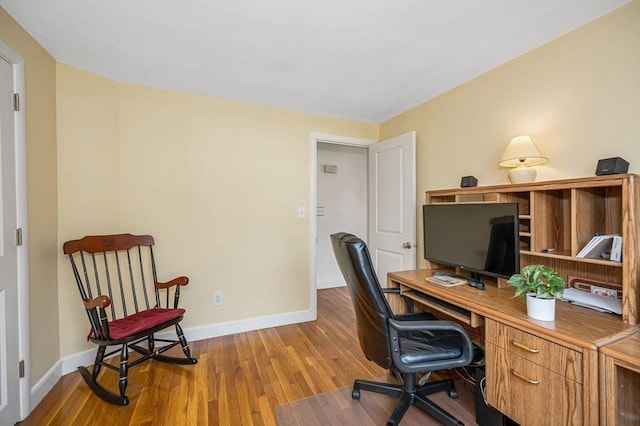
(117, 280)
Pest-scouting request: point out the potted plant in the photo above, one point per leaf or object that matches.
(541, 286)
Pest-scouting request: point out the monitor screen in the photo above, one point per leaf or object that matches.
(478, 237)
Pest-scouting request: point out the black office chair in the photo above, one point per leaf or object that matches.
(406, 344)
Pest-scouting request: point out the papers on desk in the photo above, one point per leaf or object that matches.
(594, 301)
(447, 280)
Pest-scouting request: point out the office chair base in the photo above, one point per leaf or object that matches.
(411, 395)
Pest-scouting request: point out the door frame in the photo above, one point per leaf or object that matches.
(313, 222)
(22, 222)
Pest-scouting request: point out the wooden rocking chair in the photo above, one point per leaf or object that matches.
(126, 305)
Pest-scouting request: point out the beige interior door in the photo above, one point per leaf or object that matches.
(392, 204)
(9, 349)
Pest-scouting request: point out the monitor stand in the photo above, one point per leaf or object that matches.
(475, 281)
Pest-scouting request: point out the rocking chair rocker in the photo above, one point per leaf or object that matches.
(125, 304)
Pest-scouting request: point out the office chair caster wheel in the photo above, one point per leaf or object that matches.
(355, 394)
(453, 394)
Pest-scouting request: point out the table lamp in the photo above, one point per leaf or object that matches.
(520, 155)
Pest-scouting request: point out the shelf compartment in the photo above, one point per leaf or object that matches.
(524, 243)
(524, 224)
(566, 256)
(471, 198)
(524, 232)
(551, 220)
(598, 270)
(523, 199)
(439, 199)
(596, 211)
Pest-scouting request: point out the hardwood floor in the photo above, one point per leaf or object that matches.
(239, 379)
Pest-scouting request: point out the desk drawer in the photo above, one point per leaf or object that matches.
(557, 358)
(529, 393)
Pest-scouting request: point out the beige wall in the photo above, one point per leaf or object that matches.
(40, 102)
(216, 182)
(88, 180)
(578, 95)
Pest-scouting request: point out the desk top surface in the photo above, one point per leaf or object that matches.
(576, 325)
(627, 349)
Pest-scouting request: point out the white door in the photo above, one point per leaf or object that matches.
(9, 349)
(392, 205)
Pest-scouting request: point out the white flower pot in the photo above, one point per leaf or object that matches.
(541, 309)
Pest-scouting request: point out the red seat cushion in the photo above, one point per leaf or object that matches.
(141, 321)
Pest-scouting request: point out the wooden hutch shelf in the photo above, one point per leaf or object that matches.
(564, 215)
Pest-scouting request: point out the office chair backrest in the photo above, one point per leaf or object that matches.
(371, 307)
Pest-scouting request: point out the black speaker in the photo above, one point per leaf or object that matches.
(468, 181)
(611, 166)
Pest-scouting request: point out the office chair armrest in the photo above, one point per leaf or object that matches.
(400, 325)
(175, 281)
(396, 327)
(396, 290)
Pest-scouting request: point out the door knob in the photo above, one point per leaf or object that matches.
(408, 245)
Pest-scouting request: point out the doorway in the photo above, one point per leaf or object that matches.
(318, 138)
(391, 171)
(342, 204)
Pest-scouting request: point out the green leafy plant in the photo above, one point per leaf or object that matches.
(539, 279)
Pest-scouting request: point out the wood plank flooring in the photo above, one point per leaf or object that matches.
(239, 379)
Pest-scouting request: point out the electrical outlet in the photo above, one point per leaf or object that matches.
(301, 212)
(217, 298)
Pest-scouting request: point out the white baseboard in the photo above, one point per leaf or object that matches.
(71, 363)
(329, 284)
(45, 384)
(194, 334)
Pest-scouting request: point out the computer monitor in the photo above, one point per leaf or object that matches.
(481, 238)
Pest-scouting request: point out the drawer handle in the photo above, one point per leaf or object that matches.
(526, 348)
(523, 377)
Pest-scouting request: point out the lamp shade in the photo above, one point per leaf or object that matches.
(522, 151)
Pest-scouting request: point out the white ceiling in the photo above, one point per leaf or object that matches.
(359, 59)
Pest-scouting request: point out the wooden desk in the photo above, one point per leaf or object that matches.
(620, 382)
(537, 372)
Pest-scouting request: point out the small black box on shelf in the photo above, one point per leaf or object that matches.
(611, 166)
(468, 181)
